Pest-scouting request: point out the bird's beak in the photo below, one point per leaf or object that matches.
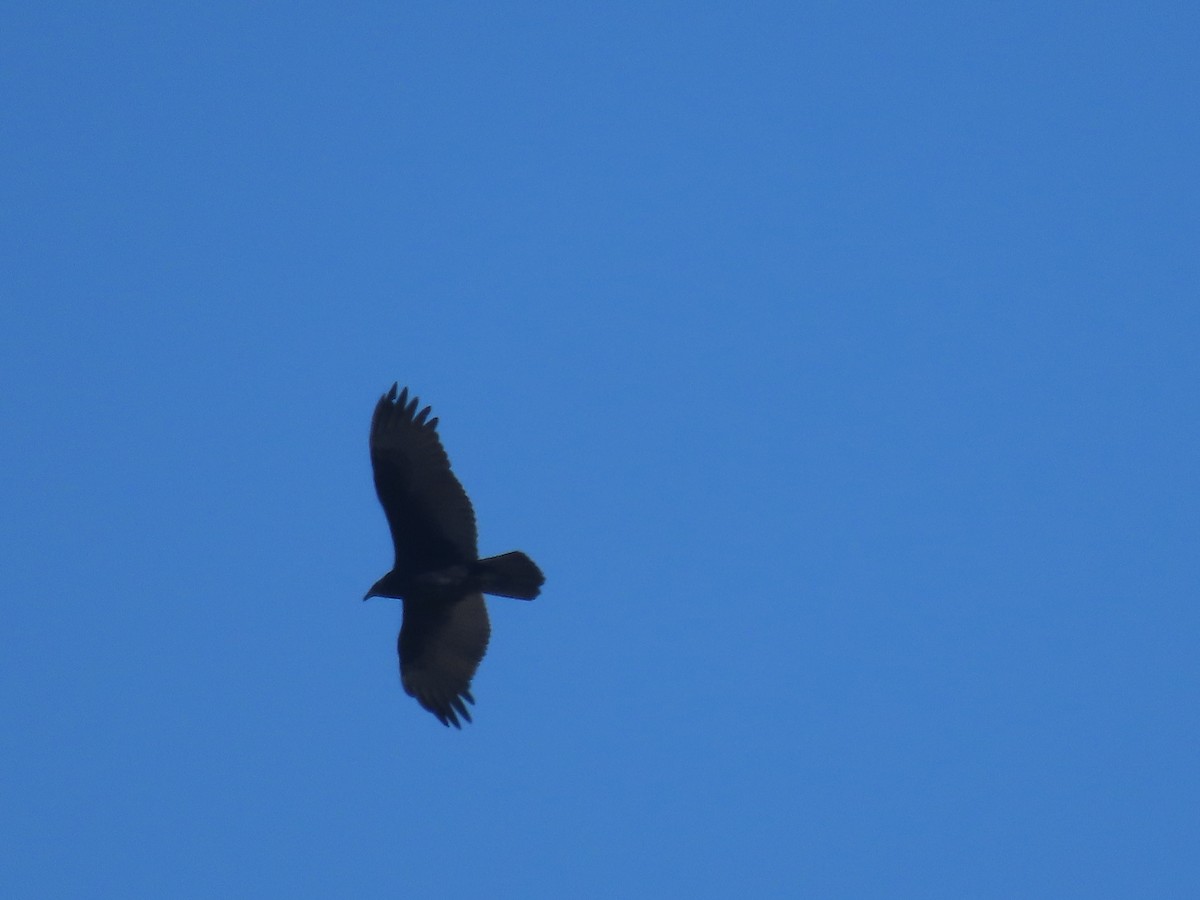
(368, 595)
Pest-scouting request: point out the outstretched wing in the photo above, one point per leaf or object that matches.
(427, 510)
(440, 647)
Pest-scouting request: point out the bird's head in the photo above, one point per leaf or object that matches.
(378, 589)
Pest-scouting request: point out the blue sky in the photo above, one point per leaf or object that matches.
(836, 362)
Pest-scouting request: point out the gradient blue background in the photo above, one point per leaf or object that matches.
(837, 362)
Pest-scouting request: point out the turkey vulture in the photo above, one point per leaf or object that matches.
(438, 575)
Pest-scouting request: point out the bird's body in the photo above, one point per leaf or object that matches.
(437, 573)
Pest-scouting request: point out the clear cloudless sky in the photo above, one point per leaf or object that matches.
(838, 362)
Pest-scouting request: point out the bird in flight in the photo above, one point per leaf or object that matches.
(437, 575)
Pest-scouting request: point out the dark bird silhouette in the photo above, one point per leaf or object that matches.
(437, 575)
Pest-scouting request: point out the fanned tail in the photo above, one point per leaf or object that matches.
(510, 575)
